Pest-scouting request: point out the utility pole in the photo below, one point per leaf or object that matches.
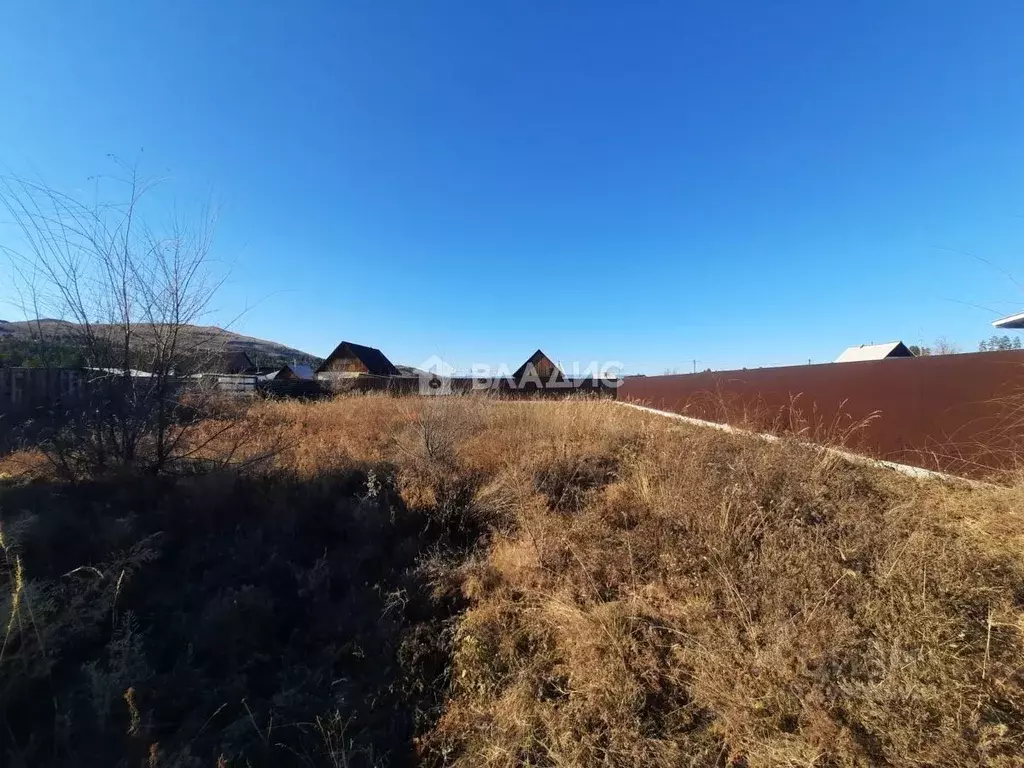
(695, 365)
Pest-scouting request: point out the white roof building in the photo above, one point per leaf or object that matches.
(1015, 322)
(874, 352)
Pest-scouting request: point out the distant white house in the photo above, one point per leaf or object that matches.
(874, 352)
(1015, 322)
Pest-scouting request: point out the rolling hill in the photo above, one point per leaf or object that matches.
(19, 339)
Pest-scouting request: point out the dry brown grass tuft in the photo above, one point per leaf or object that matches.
(669, 595)
(658, 594)
(641, 592)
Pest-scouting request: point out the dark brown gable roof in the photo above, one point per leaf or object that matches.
(901, 350)
(232, 362)
(374, 360)
(542, 366)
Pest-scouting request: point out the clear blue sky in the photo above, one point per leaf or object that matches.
(744, 183)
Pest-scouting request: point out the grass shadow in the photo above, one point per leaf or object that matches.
(262, 619)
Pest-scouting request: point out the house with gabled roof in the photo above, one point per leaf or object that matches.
(350, 360)
(232, 362)
(291, 372)
(1015, 322)
(538, 367)
(874, 352)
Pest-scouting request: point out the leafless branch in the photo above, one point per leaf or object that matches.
(129, 291)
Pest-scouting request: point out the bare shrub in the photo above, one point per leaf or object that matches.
(103, 277)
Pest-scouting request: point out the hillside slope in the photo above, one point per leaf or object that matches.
(18, 338)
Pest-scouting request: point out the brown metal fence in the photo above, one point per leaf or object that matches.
(958, 413)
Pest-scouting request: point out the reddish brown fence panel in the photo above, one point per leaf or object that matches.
(959, 413)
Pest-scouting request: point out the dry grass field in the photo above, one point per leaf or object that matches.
(472, 582)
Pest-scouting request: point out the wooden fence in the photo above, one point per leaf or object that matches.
(235, 384)
(460, 385)
(25, 389)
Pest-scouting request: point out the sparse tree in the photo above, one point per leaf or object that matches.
(999, 344)
(920, 351)
(943, 346)
(128, 291)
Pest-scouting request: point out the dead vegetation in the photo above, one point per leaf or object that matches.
(483, 583)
